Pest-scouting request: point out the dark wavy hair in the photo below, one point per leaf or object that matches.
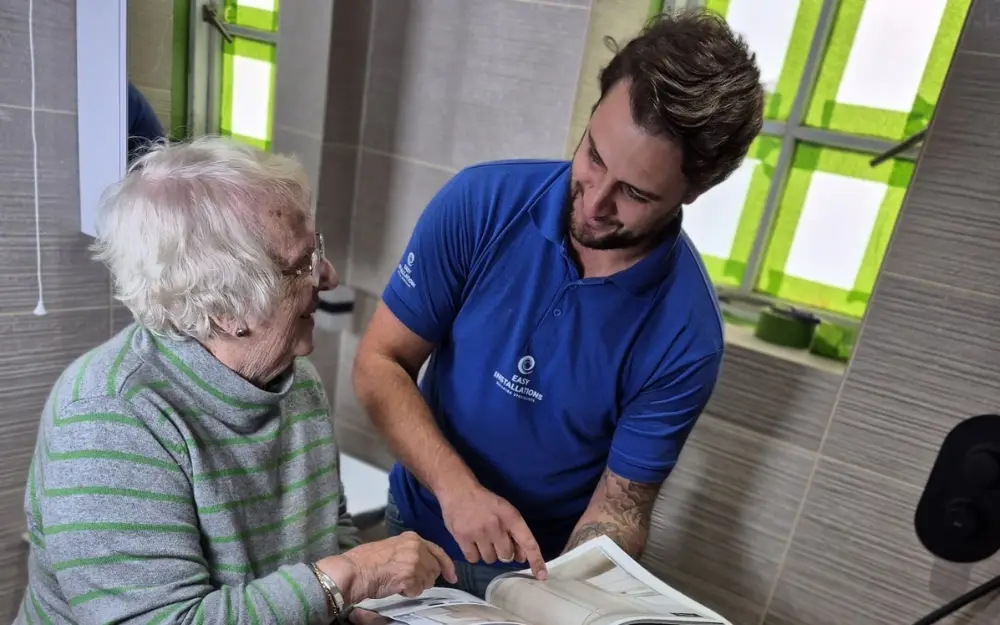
(695, 81)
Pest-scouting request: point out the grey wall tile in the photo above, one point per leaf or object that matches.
(982, 27)
(950, 229)
(15, 79)
(306, 148)
(361, 441)
(36, 350)
(326, 359)
(347, 67)
(13, 556)
(457, 81)
(299, 88)
(355, 432)
(54, 26)
(785, 400)
(926, 360)
(723, 518)
(334, 200)
(391, 195)
(55, 54)
(70, 279)
(855, 557)
(121, 317)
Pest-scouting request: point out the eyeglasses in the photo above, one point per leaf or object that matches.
(315, 262)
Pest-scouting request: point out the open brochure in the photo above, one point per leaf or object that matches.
(595, 584)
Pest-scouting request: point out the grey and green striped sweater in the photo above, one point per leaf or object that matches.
(166, 489)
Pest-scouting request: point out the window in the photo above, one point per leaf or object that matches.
(234, 68)
(807, 218)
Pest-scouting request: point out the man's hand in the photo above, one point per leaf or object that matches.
(488, 528)
(620, 509)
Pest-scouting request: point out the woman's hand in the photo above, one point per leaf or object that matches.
(404, 564)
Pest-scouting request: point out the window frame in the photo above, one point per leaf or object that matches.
(790, 134)
(205, 72)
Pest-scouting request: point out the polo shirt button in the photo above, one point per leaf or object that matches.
(557, 312)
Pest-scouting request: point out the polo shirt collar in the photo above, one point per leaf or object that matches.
(640, 278)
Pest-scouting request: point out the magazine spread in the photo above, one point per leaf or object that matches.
(595, 584)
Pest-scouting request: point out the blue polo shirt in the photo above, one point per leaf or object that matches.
(541, 379)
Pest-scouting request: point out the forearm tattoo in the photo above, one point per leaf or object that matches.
(623, 514)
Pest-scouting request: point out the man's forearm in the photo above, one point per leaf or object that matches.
(390, 396)
(621, 510)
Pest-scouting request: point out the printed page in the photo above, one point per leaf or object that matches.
(597, 584)
(440, 606)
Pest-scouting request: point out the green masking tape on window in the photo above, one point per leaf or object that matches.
(786, 327)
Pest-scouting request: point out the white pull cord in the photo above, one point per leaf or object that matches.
(40, 306)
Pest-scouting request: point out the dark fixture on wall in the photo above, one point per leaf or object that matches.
(958, 516)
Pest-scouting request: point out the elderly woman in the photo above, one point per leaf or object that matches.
(186, 470)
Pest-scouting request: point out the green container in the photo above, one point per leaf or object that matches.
(833, 341)
(786, 327)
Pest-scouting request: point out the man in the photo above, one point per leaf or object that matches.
(143, 126)
(574, 333)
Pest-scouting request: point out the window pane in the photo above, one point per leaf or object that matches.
(884, 66)
(248, 91)
(833, 225)
(258, 14)
(779, 33)
(723, 222)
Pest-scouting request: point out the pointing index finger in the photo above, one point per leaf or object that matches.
(529, 547)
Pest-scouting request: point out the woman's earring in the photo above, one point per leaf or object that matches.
(242, 332)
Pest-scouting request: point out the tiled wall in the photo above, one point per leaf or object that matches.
(418, 89)
(35, 349)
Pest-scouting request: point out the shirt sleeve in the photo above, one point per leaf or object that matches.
(426, 288)
(121, 531)
(653, 427)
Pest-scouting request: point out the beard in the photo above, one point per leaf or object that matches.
(615, 236)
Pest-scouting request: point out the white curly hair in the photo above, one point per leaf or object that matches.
(184, 238)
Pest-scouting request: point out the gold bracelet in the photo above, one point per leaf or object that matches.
(334, 598)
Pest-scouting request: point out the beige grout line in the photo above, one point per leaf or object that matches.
(296, 131)
(38, 109)
(340, 144)
(977, 53)
(50, 311)
(940, 285)
(551, 3)
(895, 481)
(408, 159)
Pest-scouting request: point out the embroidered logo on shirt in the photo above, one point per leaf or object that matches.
(517, 385)
(406, 271)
